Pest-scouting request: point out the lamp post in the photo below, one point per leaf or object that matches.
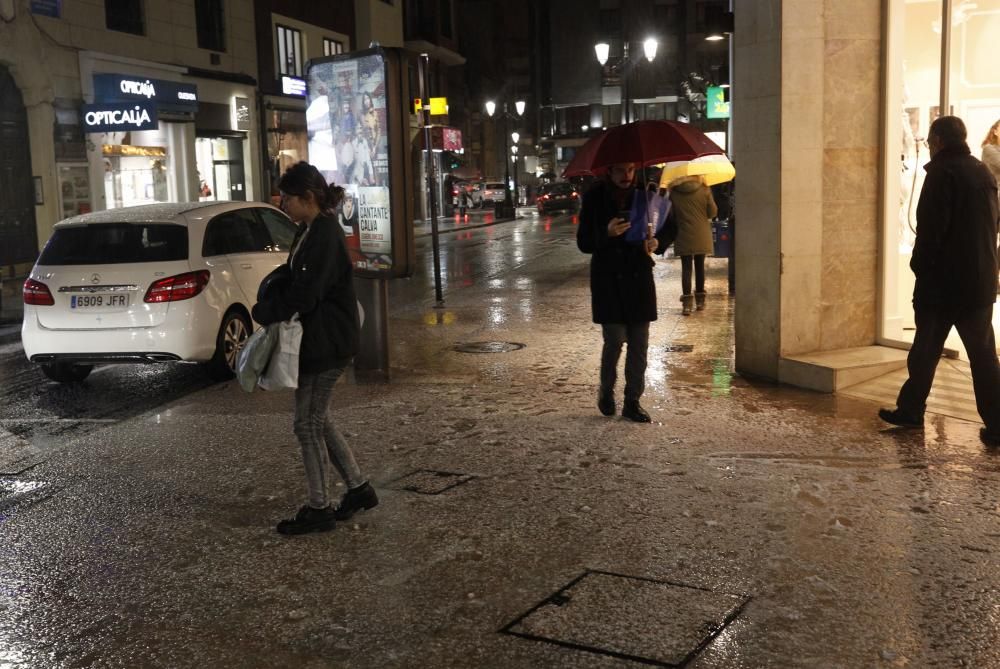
(491, 108)
(513, 158)
(625, 67)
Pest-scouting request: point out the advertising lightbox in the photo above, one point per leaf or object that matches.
(357, 116)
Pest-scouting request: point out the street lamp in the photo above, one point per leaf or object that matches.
(624, 67)
(491, 108)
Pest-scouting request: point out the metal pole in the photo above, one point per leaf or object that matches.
(507, 203)
(431, 185)
(517, 193)
(946, 9)
(626, 65)
(372, 360)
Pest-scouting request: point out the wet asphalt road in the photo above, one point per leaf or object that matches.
(37, 415)
(826, 539)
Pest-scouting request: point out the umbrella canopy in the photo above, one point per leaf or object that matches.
(642, 142)
(715, 168)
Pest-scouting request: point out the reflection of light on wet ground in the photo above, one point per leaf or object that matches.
(525, 309)
(496, 315)
(523, 283)
(438, 317)
(9, 659)
(722, 378)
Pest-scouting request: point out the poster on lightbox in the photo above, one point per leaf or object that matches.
(348, 143)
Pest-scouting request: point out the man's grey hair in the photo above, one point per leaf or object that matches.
(949, 129)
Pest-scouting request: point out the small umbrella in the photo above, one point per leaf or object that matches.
(716, 169)
(642, 142)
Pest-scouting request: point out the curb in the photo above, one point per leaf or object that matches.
(472, 226)
(10, 333)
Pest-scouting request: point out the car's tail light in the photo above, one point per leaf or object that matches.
(545, 197)
(37, 293)
(177, 288)
(574, 194)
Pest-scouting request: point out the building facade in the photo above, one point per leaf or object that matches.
(832, 101)
(111, 103)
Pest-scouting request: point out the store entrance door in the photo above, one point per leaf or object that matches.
(221, 171)
(18, 235)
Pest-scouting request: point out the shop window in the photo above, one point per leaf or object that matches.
(915, 65)
(332, 47)
(135, 173)
(126, 16)
(289, 51)
(211, 24)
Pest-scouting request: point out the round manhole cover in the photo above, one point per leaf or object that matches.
(488, 347)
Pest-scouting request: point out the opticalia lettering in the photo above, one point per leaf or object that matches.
(144, 88)
(137, 117)
(118, 117)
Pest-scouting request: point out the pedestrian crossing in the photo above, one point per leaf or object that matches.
(951, 394)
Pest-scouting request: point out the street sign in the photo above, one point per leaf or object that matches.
(439, 106)
(717, 105)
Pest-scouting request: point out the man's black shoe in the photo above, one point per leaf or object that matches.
(356, 499)
(606, 403)
(633, 411)
(899, 418)
(307, 520)
(989, 437)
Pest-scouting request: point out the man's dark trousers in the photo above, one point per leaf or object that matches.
(975, 327)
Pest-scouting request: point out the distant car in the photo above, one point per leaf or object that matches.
(493, 192)
(473, 190)
(559, 196)
(149, 284)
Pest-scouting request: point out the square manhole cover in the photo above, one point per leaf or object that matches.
(430, 482)
(14, 493)
(639, 619)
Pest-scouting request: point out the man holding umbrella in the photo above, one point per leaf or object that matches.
(623, 296)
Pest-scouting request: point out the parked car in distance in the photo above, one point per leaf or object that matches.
(472, 188)
(149, 284)
(560, 196)
(493, 192)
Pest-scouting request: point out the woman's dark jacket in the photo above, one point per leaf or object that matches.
(621, 272)
(320, 289)
(955, 253)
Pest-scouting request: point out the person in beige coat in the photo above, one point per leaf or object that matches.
(694, 208)
(991, 150)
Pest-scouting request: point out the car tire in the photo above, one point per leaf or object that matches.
(66, 372)
(233, 334)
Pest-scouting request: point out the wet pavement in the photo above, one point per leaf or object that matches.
(749, 526)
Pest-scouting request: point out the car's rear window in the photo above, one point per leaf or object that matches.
(558, 189)
(116, 243)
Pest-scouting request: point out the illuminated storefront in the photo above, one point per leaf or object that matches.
(159, 133)
(931, 64)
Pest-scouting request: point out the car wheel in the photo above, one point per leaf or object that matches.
(64, 372)
(233, 334)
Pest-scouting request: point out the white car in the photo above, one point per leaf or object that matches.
(493, 192)
(156, 283)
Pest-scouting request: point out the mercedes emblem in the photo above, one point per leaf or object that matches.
(96, 278)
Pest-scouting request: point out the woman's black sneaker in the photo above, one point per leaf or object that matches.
(356, 499)
(308, 520)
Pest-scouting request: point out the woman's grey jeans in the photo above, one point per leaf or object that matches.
(321, 441)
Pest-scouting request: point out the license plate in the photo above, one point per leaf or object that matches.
(99, 301)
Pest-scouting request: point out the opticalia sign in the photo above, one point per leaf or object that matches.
(168, 95)
(111, 117)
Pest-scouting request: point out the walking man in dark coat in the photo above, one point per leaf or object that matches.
(623, 296)
(955, 264)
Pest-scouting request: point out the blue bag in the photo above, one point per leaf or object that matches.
(648, 209)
